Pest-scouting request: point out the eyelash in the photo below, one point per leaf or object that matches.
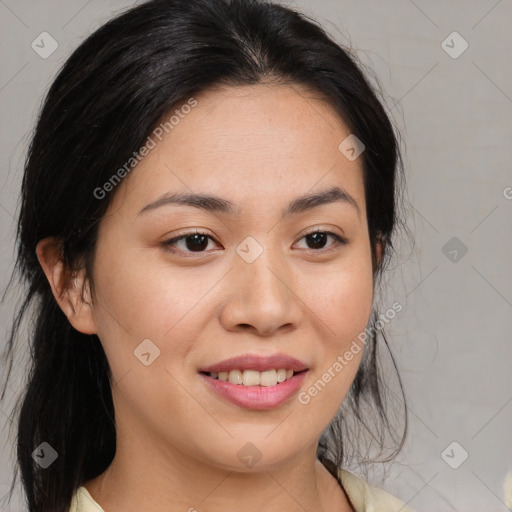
(167, 244)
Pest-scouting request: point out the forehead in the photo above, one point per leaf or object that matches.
(261, 142)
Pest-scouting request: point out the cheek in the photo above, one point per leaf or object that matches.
(145, 297)
(349, 300)
(341, 300)
(141, 299)
(341, 297)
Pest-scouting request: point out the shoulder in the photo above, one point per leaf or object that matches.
(365, 498)
(82, 501)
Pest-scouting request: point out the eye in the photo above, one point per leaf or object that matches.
(195, 241)
(317, 240)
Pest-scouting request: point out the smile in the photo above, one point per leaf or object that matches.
(254, 377)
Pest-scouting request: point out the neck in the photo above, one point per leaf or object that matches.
(140, 478)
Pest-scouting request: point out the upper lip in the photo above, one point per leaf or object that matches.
(256, 362)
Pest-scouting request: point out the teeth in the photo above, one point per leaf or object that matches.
(268, 378)
(250, 377)
(254, 377)
(235, 377)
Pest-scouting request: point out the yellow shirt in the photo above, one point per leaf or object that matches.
(363, 497)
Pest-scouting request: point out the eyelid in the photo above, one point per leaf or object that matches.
(340, 240)
(185, 233)
(324, 229)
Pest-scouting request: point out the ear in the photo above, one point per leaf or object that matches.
(380, 247)
(71, 292)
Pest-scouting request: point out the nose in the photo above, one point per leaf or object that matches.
(262, 297)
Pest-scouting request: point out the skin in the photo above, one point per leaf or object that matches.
(259, 147)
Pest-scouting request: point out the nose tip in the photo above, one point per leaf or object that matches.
(260, 299)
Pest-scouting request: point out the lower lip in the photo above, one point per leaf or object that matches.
(256, 397)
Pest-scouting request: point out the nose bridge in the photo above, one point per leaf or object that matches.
(262, 270)
(262, 292)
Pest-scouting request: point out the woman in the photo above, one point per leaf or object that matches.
(208, 204)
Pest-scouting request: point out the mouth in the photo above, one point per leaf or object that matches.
(255, 382)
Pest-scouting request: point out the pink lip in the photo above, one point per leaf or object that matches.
(255, 362)
(256, 397)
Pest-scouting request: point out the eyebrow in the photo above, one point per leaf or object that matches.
(217, 204)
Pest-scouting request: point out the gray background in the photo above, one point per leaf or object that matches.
(452, 341)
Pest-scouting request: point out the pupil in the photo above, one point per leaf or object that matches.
(317, 238)
(200, 242)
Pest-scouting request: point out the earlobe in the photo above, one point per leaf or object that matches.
(380, 246)
(66, 289)
(380, 250)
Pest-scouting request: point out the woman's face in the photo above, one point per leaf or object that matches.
(255, 286)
